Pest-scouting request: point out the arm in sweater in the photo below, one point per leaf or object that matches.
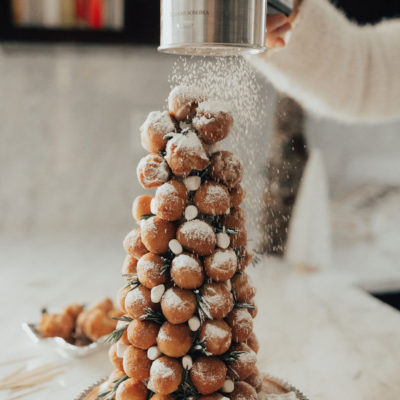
(336, 68)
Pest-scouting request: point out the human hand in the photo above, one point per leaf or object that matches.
(278, 25)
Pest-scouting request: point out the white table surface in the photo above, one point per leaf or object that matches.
(320, 332)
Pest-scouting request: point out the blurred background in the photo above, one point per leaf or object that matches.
(78, 78)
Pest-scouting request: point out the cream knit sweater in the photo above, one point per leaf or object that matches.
(336, 68)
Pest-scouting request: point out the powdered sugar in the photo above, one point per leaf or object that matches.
(161, 370)
(214, 331)
(222, 260)
(187, 143)
(160, 120)
(197, 230)
(213, 107)
(185, 262)
(186, 94)
(215, 193)
(153, 169)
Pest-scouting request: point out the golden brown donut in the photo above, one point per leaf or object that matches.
(239, 239)
(236, 219)
(97, 324)
(174, 340)
(242, 288)
(116, 361)
(150, 270)
(252, 342)
(241, 323)
(156, 234)
(238, 193)
(226, 168)
(121, 297)
(221, 265)
(213, 121)
(52, 325)
(133, 244)
(245, 363)
(197, 236)
(131, 390)
(152, 171)
(217, 336)
(129, 265)
(187, 271)
(73, 310)
(170, 200)
(141, 206)
(255, 380)
(243, 391)
(166, 374)
(153, 130)
(219, 299)
(136, 364)
(137, 301)
(178, 305)
(185, 153)
(245, 258)
(105, 305)
(142, 334)
(204, 368)
(183, 101)
(212, 198)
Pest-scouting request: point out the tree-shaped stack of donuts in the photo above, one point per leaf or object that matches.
(187, 329)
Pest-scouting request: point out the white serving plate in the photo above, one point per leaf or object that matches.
(262, 395)
(64, 348)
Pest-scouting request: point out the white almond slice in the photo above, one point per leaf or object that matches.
(153, 353)
(187, 362)
(156, 293)
(191, 212)
(175, 246)
(228, 386)
(194, 323)
(223, 240)
(192, 183)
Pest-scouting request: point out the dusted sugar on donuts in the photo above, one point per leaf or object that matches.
(170, 200)
(217, 336)
(152, 171)
(166, 375)
(155, 127)
(183, 101)
(219, 299)
(133, 244)
(213, 121)
(136, 364)
(142, 334)
(208, 374)
(242, 288)
(150, 270)
(245, 363)
(226, 168)
(156, 234)
(241, 323)
(131, 390)
(221, 265)
(138, 301)
(197, 236)
(236, 219)
(243, 391)
(187, 271)
(185, 153)
(174, 340)
(212, 198)
(178, 305)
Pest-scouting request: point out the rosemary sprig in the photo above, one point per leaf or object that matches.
(256, 257)
(230, 231)
(125, 318)
(199, 347)
(186, 388)
(133, 283)
(146, 216)
(230, 358)
(154, 316)
(168, 136)
(167, 261)
(244, 305)
(109, 394)
(185, 131)
(150, 394)
(162, 153)
(114, 336)
(238, 252)
(203, 307)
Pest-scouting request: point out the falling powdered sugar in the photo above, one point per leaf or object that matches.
(160, 120)
(188, 143)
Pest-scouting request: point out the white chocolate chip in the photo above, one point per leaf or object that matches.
(153, 353)
(191, 212)
(175, 246)
(153, 206)
(192, 183)
(150, 386)
(223, 240)
(121, 348)
(194, 323)
(156, 293)
(187, 362)
(228, 386)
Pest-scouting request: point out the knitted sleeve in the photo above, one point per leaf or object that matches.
(336, 68)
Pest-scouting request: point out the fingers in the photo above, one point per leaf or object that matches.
(274, 21)
(275, 43)
(280, 31)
